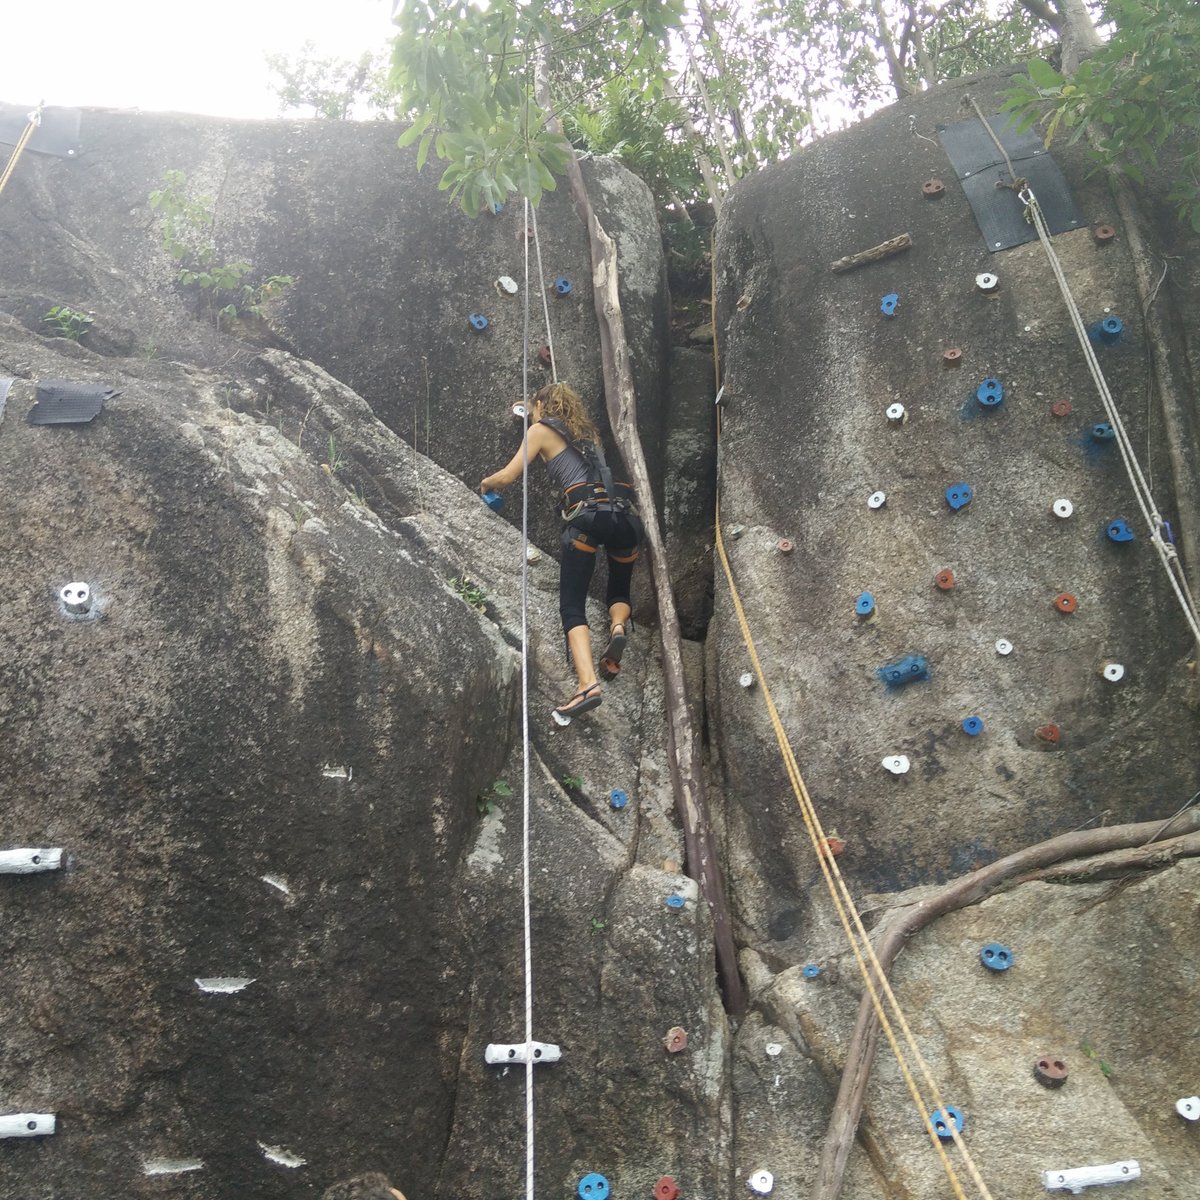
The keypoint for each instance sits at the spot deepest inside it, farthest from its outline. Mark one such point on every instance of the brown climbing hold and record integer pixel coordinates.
(666, 1189)
(1065, 602)
(951, 357)
(676, 1040)
(944, 580)
(1061, 408)
(934, 189)
(544, 355)
(525, 232)
(785, 545)
(1103, 234)
(832, 846)
(1048, 733)
(1050, 1072)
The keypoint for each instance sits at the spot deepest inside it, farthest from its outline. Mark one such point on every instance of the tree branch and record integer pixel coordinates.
(895, 930)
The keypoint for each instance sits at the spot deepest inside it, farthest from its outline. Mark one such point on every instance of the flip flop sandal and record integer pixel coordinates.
(610, 660)
(588, 699)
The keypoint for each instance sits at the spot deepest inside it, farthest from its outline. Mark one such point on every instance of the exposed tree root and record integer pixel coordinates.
(1092, 851)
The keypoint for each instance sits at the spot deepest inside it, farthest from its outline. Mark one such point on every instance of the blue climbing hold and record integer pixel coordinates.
(1103, 432)
(675, 901)
(1109, 331)
(811, 970)
(617, 798)
(494, 501)
(996, 957)
(887, 305)
(990, 392)
(973, 726)
(959, 495)
(593, 1187)
(865, 604)
(942, 1119)
(905, 670)
(478, 322)
(562, 285)
(498, 208)
(1119, 531)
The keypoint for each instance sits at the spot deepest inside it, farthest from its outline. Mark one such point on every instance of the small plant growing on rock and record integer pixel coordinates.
(471, 592)
(187, 229)
(68, 322)
(485, 802)
(573, 783)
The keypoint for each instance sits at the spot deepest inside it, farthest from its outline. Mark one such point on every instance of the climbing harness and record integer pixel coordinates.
(35, 119)
(1163, 545)
(873, 974)
(600, 492)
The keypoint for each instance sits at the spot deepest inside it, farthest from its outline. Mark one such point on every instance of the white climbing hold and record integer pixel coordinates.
(898, 764)
(559, 720)
(876, 499)
(532, 554)
(506, 1056)
(1004, 647)
(278, 883)
(1076, 1179)
(1063, 508)
(1113, 672)
(27, 862)
(76, 598)
(329, 771)
(761, 1183)
(987, 282)
(774, 1049)
(508, 284)
(1188, 1108)
(518, 411)
(22, 1125)
(746, 679)
(897, 414)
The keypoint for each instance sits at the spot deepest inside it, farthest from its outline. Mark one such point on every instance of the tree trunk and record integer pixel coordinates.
(1079, 37)
(735, 112)
(710, 179)
(687, 777)
(894, 931)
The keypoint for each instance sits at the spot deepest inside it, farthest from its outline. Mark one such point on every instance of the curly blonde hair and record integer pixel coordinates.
(561, 401)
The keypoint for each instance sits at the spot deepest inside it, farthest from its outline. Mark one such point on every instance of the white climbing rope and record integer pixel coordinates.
(537, 243)
(1167, 554)
(529, 1144)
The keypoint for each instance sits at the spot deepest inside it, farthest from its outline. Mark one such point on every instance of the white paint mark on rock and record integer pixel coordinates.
(171, 1166)
(223, 985)
(282, 1157)
(329, 771)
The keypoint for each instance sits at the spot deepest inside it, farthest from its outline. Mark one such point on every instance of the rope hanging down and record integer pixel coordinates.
(1167, 554)
(35, 119)
(856, 934)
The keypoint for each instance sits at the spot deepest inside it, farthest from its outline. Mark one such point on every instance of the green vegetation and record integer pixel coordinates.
(471, 592)
(331, 87)
(1089, 1051)
(69, 322)
(187, 228)
(485, 802)
(1137, 97)
(573, 783)
(335, 460)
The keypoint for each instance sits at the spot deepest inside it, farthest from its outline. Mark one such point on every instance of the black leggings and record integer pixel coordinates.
(619, 534)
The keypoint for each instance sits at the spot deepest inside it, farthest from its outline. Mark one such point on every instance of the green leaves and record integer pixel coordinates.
(1044, 75)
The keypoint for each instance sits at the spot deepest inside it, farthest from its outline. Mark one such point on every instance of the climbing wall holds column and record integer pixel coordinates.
(1050, 1072)
(996, 957)
(942, 1119)
(959, 495)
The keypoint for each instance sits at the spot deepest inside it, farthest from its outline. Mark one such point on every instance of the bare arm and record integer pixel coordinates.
(536, 441)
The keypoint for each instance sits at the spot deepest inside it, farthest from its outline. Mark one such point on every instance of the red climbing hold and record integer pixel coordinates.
(676, 1040)
(831, 847)
(1065, 602)
(1061, 408)
(1048, 733)
(944, 580)
(1050, 1072)
(666, 1189)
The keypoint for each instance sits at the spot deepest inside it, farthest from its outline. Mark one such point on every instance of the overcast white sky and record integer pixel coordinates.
(205, 57)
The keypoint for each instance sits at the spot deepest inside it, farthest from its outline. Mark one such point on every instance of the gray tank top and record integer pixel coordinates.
(567, 468)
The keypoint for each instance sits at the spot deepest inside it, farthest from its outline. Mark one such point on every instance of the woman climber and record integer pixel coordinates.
(595, 512)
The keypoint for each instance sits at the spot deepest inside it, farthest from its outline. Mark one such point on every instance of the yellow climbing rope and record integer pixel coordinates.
(856, 934)
(35, 119)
